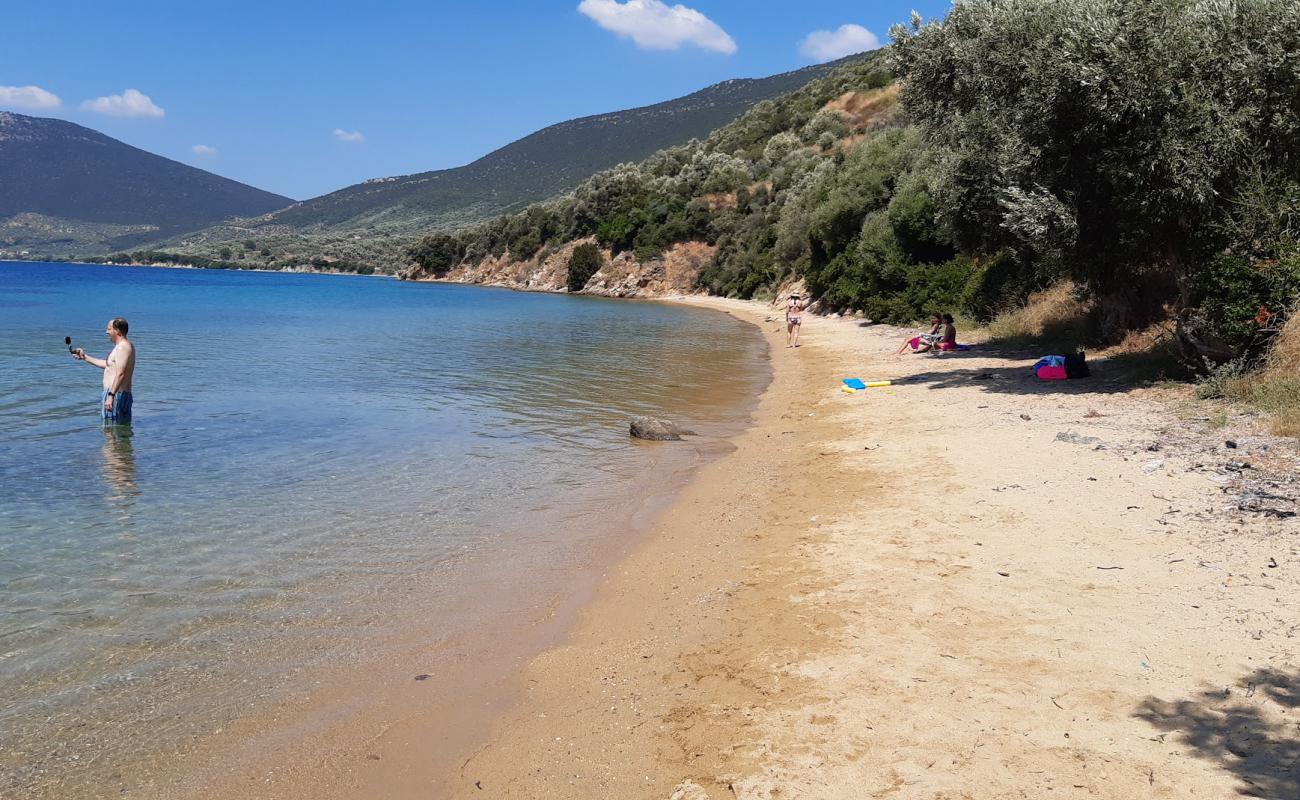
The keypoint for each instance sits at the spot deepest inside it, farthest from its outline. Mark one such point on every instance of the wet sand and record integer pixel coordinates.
(967, 585)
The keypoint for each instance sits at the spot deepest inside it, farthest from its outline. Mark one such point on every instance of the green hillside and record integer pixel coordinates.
(372, 222)
(68, 189)
(1143, 150)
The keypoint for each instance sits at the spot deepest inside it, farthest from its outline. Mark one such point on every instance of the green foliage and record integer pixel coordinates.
(1245, 299)
(874, 242)
(583, 263)
(617, 233)
(1106, 139)
(997, 284)
(437, 254)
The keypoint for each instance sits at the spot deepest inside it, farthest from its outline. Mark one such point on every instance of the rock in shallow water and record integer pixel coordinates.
(657, 430)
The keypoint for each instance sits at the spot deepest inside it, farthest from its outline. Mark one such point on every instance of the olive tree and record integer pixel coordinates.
(1105, 139)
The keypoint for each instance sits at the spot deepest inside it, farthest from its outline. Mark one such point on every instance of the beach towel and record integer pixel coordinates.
(1050, 368)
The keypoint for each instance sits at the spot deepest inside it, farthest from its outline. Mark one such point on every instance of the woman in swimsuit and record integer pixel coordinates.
(948, 341)
(925, 341)
(793, 320)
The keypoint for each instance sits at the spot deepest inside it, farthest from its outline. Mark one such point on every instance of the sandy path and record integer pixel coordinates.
(920, 592)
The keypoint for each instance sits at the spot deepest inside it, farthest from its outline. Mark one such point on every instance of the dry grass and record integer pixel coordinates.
(1275, 389)
(1060, 319)
(1055, 315)
(862, 108)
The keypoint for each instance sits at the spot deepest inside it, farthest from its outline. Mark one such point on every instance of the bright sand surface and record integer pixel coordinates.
(918, 591)
(921, 592)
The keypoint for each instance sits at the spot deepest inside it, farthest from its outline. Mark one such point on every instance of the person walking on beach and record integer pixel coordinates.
(119, 367)
(793, 320)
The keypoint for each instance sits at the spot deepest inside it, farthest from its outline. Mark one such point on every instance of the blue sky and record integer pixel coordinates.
(304, 98)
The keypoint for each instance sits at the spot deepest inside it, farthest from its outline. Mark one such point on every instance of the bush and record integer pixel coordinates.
(999, 284)
(437, 254)
(1242, 297)
(583, 263)
(1104, 140)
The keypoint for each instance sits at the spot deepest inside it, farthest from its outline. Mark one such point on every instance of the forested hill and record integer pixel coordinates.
(1150, 165)
(549, 161)
(70, 188)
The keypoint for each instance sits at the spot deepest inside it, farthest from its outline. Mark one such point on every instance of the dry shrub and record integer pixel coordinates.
(1055, 314)
(1276, 388)
(862, 108)
(1285, 355)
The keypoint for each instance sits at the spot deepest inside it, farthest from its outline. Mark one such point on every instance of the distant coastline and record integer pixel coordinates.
(184, 265)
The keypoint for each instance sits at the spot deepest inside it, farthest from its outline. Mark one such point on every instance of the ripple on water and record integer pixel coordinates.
(307, 451)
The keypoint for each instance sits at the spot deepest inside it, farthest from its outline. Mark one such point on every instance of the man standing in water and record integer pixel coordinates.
(118, 368)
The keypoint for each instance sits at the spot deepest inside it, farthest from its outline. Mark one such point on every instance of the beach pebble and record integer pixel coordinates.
(689, 790)
(1152, 466)
(658, 430)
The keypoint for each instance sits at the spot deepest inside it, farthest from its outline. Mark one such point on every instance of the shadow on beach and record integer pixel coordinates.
(1115, 374)
(1230, 727)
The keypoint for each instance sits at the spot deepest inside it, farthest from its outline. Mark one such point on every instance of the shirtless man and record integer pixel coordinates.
(118, 368)
(793, 320)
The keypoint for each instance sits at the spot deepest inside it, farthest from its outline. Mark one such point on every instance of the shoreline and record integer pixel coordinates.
(369, 729)
(192, 267)
(966, 585)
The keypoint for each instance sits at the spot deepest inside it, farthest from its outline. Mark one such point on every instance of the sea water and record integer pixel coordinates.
(301, 446)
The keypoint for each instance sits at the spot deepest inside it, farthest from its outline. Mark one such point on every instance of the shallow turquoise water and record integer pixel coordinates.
(300, 442)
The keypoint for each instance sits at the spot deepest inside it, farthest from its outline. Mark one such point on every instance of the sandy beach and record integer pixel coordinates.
(966, 585)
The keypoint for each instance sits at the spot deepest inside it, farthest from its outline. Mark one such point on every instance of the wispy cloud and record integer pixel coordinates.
(823, 46)
(204, 150)
(28, 97)
(348, 136)
(131, 103)
(656, 26)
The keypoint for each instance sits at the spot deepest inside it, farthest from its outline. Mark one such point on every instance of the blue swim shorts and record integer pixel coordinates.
(121, 413)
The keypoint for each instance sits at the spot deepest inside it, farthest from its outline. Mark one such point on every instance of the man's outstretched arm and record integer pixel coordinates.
(80, 355)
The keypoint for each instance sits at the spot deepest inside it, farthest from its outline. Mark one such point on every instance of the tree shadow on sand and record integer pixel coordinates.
(1233, 728)
(1115, 374)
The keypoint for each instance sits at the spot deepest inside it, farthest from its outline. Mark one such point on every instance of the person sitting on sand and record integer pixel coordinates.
(948, 338)
(922, 343)
(793, 320)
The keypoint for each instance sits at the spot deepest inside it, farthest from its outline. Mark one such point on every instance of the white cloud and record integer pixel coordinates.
(130, 103)
(204, 150)
(823, 46)
(28, 97)
(656, 26)
(348, 136)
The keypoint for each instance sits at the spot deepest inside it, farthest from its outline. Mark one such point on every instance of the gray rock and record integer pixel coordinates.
(689, 790)
(1074, 438)
(657, 430)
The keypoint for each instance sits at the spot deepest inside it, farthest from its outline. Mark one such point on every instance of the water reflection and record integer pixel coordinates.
(119, 471)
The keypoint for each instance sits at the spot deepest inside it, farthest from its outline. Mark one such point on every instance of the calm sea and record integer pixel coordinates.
(305, 450)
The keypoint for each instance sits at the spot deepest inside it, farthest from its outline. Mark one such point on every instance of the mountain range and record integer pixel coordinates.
(64, 187)
(68, 190)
